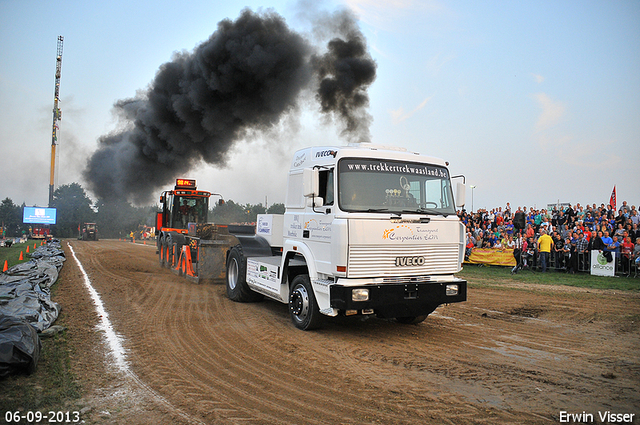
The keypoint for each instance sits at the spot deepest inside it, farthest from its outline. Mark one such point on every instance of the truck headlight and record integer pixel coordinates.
(360, 294)
(452, 290)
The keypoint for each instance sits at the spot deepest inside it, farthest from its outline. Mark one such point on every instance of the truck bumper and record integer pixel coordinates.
(398, 299)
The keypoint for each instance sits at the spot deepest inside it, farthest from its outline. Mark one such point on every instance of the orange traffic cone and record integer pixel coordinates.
(34, 245)
(21, 259)
(6, 266)
(27, 249)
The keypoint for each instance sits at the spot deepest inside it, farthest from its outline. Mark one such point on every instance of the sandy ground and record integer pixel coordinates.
(511, 354)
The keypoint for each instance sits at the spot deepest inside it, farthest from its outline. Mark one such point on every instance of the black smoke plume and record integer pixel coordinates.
(345, 73)
(246, 77)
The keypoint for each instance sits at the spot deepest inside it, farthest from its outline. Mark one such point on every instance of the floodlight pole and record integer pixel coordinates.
(57, 115)
(472, 187)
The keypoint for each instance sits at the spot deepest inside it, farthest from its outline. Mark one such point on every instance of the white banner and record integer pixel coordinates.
(600, 266)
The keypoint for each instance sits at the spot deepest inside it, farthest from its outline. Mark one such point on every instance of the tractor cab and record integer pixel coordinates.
(185, 204)
(88, 232)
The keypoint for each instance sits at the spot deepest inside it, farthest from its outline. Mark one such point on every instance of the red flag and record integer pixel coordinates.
(612, 200)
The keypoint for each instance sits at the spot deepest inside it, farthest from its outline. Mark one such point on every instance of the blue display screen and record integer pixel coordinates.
(39, 215)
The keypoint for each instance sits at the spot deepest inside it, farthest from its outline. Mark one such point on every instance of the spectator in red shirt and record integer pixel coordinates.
(627, 250)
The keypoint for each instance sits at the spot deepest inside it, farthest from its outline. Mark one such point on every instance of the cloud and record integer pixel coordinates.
(569, 150)
(382, 13)
(399, 115)
(551, 114)
(538, 78)
(436, 63)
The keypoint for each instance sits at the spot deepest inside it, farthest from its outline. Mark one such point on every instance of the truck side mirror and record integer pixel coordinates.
(310, 182)
(461, 193)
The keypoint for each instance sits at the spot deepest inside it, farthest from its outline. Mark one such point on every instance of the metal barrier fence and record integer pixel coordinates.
(581, 263)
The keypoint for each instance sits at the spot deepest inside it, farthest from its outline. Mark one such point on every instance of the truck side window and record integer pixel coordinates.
(326, 186)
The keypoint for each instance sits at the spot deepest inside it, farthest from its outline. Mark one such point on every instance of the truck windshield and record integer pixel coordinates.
(374, 185)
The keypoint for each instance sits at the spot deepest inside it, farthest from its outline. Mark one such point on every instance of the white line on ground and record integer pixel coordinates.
(115, 345)
(113, 339)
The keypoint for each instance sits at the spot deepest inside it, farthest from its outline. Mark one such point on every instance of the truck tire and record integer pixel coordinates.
(303, 307)
(237, 288)
(411, 320)
(414, 320)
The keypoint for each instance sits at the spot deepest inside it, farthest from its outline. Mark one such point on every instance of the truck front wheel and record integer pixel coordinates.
(411, 320)
(303, 306)
(237, 288)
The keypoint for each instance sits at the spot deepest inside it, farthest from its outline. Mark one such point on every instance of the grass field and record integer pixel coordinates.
(53, 386)
(12, 254)
(497, 274)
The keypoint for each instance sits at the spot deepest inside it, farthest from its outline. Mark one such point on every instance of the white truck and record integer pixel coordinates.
(367, 230)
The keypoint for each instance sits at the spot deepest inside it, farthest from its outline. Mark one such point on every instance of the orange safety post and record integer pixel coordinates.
(188, 269)
(183, 265)
(180, 260)
(6, 266)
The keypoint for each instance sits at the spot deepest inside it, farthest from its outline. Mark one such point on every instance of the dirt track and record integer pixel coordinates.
(510, 355)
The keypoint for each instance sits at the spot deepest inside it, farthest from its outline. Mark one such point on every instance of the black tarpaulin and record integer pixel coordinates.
(19, 346)
(25, 303)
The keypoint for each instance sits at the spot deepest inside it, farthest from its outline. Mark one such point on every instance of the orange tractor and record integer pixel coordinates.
(186, 243)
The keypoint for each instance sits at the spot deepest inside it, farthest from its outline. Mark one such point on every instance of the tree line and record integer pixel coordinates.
(115, 219)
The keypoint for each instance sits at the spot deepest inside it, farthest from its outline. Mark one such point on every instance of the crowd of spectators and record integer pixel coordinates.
(574, 231)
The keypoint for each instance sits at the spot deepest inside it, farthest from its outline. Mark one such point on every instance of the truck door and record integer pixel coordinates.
(318, 222)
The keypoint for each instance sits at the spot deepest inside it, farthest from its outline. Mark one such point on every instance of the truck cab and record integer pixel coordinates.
(367, 230)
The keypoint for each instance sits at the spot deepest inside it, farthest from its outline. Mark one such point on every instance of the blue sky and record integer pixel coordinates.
(535, 102)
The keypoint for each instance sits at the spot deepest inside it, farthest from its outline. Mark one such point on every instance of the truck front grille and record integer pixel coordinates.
(397, 261)
(407, 279)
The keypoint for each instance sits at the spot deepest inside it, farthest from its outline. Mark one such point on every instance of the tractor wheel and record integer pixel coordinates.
(169, 257)
(161, 252)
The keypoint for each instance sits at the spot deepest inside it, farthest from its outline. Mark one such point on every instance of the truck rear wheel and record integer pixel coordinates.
(237, 288)
(303, 307)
